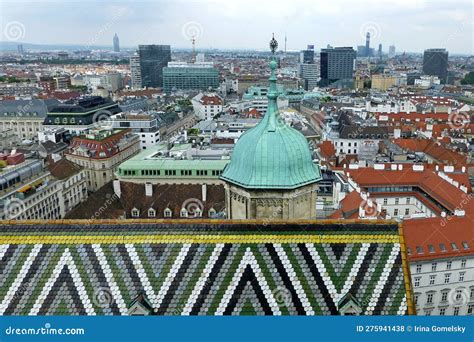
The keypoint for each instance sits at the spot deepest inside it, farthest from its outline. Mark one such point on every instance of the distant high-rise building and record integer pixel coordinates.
(435, 63)
(135, 70)
(380, 50)
(307, 69)
(183, 76)
(20, 49)
(307, 56)
(153, 58)
(391, 51)
(367, 44)
(116, 43)
(337, 64)
(309, 75)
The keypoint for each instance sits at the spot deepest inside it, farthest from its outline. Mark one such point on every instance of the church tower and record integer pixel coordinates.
(271, 174)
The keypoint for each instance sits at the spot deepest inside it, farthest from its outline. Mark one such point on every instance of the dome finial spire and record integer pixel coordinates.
(273, 44)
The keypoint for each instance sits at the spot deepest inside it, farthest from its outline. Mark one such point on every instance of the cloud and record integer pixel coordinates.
(411, 25)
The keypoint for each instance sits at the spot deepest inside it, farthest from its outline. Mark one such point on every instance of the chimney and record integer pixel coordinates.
(148, 189)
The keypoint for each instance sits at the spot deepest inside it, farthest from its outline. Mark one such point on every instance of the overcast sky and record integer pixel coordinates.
(410, 25)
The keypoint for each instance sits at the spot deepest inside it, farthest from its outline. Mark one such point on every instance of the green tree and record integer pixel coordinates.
(468, 79)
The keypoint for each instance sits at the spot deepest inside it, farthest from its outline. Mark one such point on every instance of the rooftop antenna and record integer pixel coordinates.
(285, 42)
(193, 42)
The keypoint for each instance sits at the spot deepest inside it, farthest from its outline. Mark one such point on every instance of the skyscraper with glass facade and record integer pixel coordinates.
(153, 58)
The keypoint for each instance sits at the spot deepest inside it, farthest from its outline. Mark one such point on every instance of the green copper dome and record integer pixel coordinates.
(271, 155)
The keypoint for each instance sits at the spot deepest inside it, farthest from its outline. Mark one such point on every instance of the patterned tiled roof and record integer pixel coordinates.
(199, 267)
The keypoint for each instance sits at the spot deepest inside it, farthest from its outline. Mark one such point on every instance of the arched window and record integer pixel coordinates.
(168, 212)
(211, 212)
(135, 212)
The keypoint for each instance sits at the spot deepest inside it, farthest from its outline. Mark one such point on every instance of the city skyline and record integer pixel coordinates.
(429, 24)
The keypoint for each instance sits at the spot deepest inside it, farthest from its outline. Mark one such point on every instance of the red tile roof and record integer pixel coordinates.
(446, 194)
(104, 148)
(433, 149)
(438, 129)
(413, 117)
(211, 100)
(349, 207)
(423, 235)
(327, 149)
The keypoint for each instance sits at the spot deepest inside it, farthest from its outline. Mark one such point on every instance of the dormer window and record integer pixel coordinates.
(135, 212)
(184, 212)
(168, 212)
(211, 212)
(197, 212)
(151, 212)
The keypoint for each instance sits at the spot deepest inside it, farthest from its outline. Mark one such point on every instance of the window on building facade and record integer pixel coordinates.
(395, 212)
(397, 200)
(418, 268)
(449, 264)
(385, 201)
(456, 311)
(433, 267)
(197, 212)
(442, 246)
(415, 298)
(417, 281)
(461, 276)
(463, 263)
(429, 298)
(168, 212)
(407, 211)
(432, 279)
(408, 200)
(447, 278)
(444, 295)
(184, 212)
(151, 212)
(442, 311)
(470, 309)
(135, 212)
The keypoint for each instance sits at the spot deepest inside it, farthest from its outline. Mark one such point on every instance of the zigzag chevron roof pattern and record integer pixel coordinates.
(284, 276)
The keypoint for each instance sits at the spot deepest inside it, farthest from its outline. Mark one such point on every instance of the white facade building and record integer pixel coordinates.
(427, 81)
(390, 106)
(207, 105)
(441, 267)
(144, 125)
